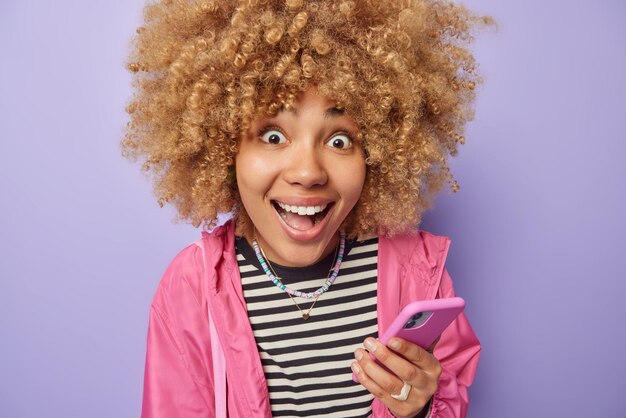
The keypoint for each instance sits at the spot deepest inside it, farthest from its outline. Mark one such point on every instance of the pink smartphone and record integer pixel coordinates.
(423, 321)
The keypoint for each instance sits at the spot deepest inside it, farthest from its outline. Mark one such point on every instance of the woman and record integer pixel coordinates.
(324, 128)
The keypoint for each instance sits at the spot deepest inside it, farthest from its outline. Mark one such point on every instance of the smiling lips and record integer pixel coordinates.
(301, 218)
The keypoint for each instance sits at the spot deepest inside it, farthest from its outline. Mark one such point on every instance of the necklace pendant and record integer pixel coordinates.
(305, 316)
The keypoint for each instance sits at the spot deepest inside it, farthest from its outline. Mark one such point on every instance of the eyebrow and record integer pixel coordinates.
(331, 112)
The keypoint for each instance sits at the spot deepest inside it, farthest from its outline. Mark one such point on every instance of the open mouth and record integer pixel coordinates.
(302, 218)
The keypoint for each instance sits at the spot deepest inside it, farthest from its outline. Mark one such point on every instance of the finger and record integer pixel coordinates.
(416, 355)
(386, 381)
(371, 385)
(414, 402)
(403, 368)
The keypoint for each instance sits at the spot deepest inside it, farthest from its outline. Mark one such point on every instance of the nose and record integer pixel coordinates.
(306, 168)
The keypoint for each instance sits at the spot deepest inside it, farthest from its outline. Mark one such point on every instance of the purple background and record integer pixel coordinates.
(536, 227)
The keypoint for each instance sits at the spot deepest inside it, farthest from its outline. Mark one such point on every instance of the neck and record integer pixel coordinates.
(292, 256)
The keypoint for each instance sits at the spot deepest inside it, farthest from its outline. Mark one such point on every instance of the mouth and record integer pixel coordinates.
(302, 218)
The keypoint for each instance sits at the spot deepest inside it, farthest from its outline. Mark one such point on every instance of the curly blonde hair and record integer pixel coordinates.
(203, 70)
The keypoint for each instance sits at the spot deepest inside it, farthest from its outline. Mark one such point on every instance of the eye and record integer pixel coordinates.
(273, 136)
(340, 141)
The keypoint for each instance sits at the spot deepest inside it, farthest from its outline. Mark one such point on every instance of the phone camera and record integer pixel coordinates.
(417, 320)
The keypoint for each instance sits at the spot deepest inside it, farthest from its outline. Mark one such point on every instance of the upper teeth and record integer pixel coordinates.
(302, 210)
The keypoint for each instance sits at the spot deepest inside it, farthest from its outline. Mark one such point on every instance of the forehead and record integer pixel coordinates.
(310, 98)
(308, 103)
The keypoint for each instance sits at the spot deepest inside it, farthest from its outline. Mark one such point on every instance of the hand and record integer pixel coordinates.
(408, 363)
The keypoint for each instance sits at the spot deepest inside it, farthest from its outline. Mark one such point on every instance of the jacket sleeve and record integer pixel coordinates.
(178, 370)
(458, 351)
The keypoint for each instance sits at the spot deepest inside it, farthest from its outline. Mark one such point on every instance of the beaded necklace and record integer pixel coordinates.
(305, 315)
(310, 295)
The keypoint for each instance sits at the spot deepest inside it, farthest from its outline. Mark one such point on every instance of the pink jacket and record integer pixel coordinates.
(178, 378)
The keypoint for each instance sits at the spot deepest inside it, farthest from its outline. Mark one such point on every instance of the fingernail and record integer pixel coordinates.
(395, 344)
(358, 354)
(370, 344)
(355, 368)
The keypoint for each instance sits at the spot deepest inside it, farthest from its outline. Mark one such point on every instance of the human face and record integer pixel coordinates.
(309, 159)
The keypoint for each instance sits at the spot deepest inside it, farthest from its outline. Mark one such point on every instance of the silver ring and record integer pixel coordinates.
(404, 393)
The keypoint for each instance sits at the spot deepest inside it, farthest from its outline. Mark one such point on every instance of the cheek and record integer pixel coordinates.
(253, 174)
(354, 180)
